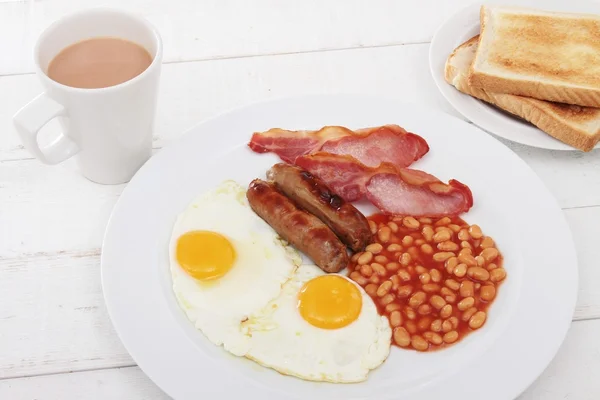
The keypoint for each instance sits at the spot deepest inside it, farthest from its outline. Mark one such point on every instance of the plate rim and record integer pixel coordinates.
(269, 103)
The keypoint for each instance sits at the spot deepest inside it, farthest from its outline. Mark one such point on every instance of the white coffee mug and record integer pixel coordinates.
(109, 129)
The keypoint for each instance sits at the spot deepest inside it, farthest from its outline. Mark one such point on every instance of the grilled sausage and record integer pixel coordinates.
(311, 194)
(303, 230)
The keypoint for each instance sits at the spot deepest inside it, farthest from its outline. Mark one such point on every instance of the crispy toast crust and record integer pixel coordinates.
(520, 70)
(561, 121)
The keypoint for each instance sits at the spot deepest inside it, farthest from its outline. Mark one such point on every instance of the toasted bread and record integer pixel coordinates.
(544, 55)
(574, 125)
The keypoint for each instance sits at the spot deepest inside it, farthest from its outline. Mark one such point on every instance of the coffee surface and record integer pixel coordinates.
(99, 62)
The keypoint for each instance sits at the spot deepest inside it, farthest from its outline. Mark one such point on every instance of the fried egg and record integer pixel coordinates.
(226, 263)
(322, 327)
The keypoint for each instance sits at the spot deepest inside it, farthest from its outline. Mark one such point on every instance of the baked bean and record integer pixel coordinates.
(465, 303)
(447, 246)
(411, 223)
(419, 242)
(417, 299)
(371, 289)
(466, 245)
(468, 314)
(424, 309)
(437, 302)
(460, 270)
(433, 338)
(374, 279)
(465, 251)
(450, 298)
(426, 248)
(436, 325)
(393, 226)
(424, 323)
(486, 243)
(487, 293)
(405, 259)
(392, 266)
(407, 240)
(365, 258)
(467, 289)
(463, 235)
(404, 275)
(394, 247)
(475, 232)
(395, 279)
(446, 311)
(490, 254)
(428, 233)
(354, 257)
(425, 278)
(395, 319)
(443, 221)
(410, 313)
(436, 276)
(455, 228)
(497, 275)
(425, 220)
(384, 288)
(393, 307)
(443, 256)
(477, 320)
(401, 337)
(366, 270)
(374, 248)
(467, 259)
(478, 273)
(431, 287)
(491, 266)
(414, 252)
(476, 243)
(381, 259)
(411, 327)
(454, 322)
(477, 285)
(442, 236)
(451, 263)
(419, 269)
(361, 280)
(387, 299)
(379, 269)
(446, 326)
(452, 284)
(397, 218)
(383, 234)
(480, 261)
(373, 227)
(419, 343)
(450, 337)
(355, 275)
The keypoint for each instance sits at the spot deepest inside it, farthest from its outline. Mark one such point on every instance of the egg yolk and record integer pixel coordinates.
(205, 255)
(329, 302)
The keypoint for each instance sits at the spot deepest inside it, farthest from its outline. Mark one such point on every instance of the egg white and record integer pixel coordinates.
(263, 264)
(281, 339)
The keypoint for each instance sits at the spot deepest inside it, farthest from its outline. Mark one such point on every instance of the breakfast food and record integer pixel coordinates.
(218, 250)
(311, 194)
(303, 230)
(574, 125)
(393, 190)
(433, 278)
(322, 327)
(370, 146)
(545, 55)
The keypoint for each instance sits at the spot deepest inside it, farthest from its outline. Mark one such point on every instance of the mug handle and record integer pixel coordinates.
(31, 118)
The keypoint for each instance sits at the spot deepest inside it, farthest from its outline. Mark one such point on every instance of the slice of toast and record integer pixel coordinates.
(574, 125)
(544, 55)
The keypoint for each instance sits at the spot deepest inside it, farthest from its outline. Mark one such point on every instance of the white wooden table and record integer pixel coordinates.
(56, 340)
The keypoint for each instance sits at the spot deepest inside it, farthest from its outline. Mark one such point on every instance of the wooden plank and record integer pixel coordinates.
(52, 317)
(213, 29)
(191, 92)
(571, 375)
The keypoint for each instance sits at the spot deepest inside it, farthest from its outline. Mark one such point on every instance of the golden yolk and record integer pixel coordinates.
(329, 302)
(205, 255)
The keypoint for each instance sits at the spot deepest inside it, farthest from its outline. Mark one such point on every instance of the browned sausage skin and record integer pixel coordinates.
(303, 230)
(311, 194)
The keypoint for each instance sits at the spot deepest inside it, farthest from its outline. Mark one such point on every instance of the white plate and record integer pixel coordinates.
(461, 27)
(526, 324)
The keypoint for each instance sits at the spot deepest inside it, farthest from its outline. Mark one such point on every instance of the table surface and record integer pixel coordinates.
(56, 340)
